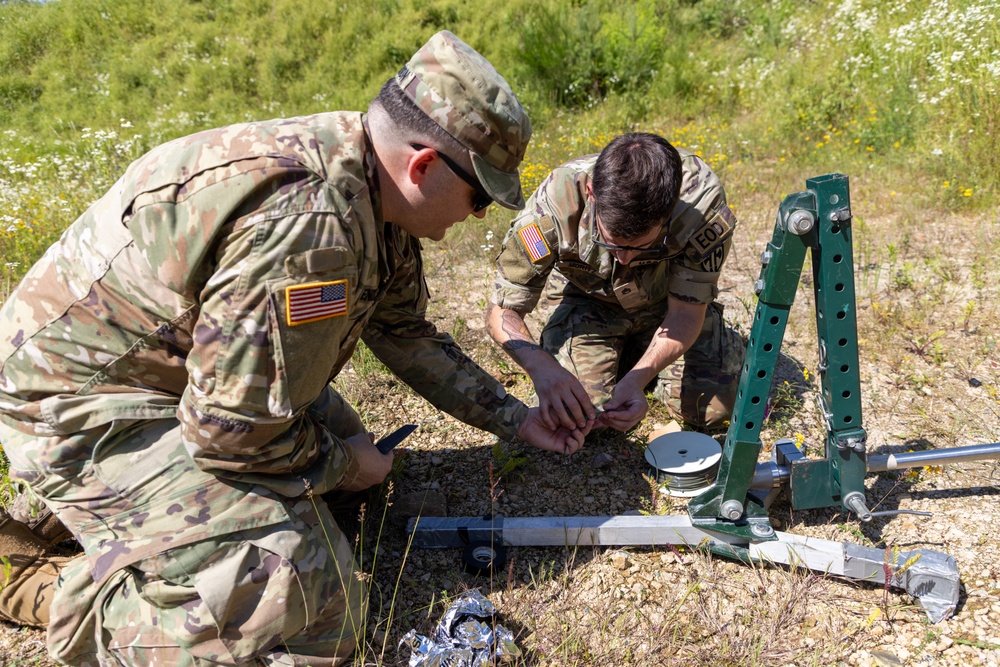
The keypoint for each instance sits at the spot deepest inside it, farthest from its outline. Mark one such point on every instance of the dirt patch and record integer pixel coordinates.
(927, 304)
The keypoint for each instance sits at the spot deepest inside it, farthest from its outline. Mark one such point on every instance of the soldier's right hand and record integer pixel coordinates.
(557, 439)
(374, 466)
(562, 400)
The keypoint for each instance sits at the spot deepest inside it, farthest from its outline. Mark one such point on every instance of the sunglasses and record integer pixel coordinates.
(482, 198)
(653, 247)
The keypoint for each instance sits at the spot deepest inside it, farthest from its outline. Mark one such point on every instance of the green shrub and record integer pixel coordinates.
(578, 55)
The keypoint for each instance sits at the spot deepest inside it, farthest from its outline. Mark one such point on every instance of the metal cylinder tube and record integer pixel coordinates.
(771, 475)
(938, 457)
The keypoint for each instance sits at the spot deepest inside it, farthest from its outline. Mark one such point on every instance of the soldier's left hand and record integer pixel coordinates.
(626, 408)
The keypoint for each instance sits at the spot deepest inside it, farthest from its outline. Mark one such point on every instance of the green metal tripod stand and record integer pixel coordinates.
(819, 220)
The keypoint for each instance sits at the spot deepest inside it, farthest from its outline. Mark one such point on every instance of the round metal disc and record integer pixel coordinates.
(686, 462)
(683, 453)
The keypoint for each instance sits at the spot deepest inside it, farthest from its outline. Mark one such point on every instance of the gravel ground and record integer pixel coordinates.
(663, 606)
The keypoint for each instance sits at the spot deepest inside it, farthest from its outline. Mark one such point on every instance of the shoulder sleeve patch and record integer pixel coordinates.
(533, 241)
(315, 301)
(718, 226)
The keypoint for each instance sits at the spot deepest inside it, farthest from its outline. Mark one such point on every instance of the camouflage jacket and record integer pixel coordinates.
(224, 281)
(554, 234)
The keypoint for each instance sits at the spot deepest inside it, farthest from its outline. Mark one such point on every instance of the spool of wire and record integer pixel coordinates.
(684, 463)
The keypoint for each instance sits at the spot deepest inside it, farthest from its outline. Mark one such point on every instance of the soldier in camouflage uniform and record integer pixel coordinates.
(165, 368)
(628, 246)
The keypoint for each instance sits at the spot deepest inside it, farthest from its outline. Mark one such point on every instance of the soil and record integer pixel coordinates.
(929, 373)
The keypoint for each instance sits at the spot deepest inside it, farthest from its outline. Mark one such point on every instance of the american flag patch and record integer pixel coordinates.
(531, 237)
(315, 301)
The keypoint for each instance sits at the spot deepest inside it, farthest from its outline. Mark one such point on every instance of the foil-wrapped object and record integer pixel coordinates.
(468, 635)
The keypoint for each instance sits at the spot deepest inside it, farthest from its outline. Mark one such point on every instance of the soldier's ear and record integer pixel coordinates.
(417, 164)
(590, 191)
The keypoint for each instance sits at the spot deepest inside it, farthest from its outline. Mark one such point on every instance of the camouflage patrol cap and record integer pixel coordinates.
(463, 93)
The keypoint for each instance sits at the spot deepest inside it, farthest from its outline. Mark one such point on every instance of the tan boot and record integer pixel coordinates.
(27, 572)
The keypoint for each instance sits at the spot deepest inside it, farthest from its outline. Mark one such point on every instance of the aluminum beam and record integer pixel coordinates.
(932, 578)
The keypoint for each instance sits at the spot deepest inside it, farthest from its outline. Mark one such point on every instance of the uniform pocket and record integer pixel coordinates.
(313, 324)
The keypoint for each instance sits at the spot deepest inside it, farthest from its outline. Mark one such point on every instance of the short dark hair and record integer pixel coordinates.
(637, 180)
(413, 122)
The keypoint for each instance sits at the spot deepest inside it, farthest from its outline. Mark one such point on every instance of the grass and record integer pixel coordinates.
(898, 95)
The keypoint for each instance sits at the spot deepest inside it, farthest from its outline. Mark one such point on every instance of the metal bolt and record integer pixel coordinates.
(732, 510)
(766, 257)
(758, 286)
(855, 502)
(761, 529)
(840, 215)
(800, 222)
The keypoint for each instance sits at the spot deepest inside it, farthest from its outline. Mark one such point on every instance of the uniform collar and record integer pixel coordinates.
(371, 171)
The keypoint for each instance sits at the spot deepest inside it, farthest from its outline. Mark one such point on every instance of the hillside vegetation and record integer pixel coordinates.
(900, 95)
(908, 86)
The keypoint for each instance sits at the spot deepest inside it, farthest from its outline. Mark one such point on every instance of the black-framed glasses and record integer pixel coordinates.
(482, 198)
(595, 237)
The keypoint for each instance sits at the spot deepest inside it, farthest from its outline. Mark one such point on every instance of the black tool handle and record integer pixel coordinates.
(386, 444)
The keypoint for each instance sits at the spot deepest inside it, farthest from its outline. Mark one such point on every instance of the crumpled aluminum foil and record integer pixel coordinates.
(466, 636)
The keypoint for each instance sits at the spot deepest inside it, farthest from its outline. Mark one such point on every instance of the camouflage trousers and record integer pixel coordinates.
(599, 343)
(271, 581)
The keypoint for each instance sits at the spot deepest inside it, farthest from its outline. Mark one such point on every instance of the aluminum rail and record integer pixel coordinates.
(929, 576)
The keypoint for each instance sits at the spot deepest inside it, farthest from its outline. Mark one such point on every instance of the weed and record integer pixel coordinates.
(507, 460)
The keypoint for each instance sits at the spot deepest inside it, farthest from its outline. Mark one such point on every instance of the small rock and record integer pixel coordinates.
(419, 503)
(602, 460)
(884, 658)
(943, 644)
(619, 560)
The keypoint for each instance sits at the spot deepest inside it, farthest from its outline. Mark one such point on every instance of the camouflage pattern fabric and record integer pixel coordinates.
(599, 343)
(496, 135)
(189, 321)
(181, 569)
(605, 314)
(554, 236)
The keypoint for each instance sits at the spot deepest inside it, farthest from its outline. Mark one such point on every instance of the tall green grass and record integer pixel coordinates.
(901, 92)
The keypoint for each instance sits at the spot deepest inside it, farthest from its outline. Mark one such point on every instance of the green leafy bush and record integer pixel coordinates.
(579, 54)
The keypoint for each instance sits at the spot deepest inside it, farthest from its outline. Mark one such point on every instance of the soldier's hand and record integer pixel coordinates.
(537, 433)
(562, 399)
(626, 408)
(374, 466)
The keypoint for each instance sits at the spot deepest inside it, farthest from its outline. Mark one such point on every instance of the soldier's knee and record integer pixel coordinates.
(705, 406)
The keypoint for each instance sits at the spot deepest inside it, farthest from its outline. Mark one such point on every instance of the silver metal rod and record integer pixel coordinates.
(771, 476)
(937, 457)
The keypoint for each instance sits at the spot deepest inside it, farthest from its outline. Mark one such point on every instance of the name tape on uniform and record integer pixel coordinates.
(315, 301)
(534, 243)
